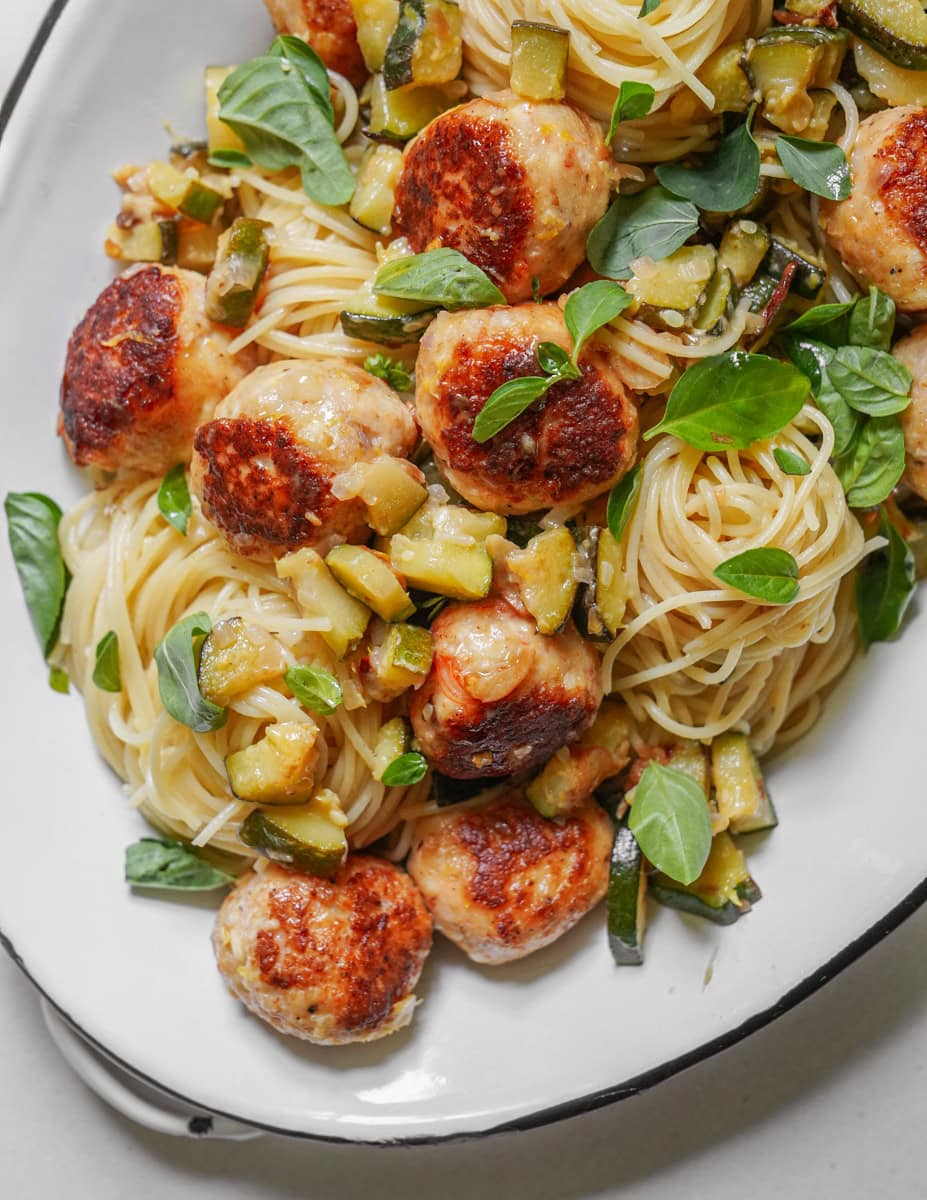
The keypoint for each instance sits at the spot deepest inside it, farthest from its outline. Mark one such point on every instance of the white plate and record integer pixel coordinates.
(551, 1036)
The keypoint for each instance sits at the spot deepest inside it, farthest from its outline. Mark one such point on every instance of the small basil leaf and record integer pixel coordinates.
(622, 500)
(300, 55)
(177, 659)
(553, 358)
(731, 400)
(871, 381)
(826, 322)
(389, 370)
(814, 359)
(506, 403)
(648, 7)
(161, 863)
(874, 463)
(634, 100)
(819, 167)
(884, 586)
(315, 689)
(174, 498)
(872, 321)
(405, 770)
(726, 182)
(58, 680)
(228, 159)
(106, 673)
(591, 307)
(651, 224)
(32, 525)
(767, 573)
(671, 822)
(790, 463)
(439, 276)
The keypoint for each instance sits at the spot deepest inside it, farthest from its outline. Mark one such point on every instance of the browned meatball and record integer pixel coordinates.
(502, 881)
(329, 28)
(569, 446)
(501, 697)
(514, 184)
(327, 960)
(264, 468)
(144, 367)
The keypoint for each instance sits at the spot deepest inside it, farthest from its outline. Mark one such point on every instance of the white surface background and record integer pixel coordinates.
(831, 1100)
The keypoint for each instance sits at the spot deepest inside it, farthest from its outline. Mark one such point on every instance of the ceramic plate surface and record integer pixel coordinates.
(563, 1030)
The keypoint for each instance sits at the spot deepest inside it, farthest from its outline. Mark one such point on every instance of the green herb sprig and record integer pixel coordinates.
(174, 503)
(316, 689)
(634, 100)
(672, 824)
(884, 586)
(442, 277)
(390, 370)
(32, 525)
(169, 865)
(177, 660)
(107, 675)
(651, 224)
(768, 573)
(405, 770)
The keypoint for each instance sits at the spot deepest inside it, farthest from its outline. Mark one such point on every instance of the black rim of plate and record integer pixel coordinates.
(558, 1112)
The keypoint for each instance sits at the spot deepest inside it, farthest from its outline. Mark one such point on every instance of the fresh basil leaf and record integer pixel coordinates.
(58, 680)
(590, 307)
(554, 359)
(726, 182)
(177, 659)
(622, 500)
(884, 586)
(871, 381)
(671, 822)
(299, 54)
(536, 289)
(731, 400)
(315, 689)
(506, 403)
(32, 525)
(283, 122)
(826, 322)
(634, 100)
(228, 159)
(441, 276)
(874, 463)
(648, 7)
(768, 573)
(814, 360)
(106, 673)
(389, 370)
(790, 463)
(405, 770)
(162, 863)
(819, 167)
(174, 498)
(872, 321)
(651, 224)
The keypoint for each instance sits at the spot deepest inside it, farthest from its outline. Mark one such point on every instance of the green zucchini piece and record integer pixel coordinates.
(824, 103)
(599, 611)
(445, 568)
(364, 574)
(197, 245)
(743, 248)
(453, 521)
(627, 899)
(319, 594)
(375, 20)
(234, 282)
(723, 74)
(811, 273)
(397, 116)
(385, 330)
(723, 892)
(392, 491)
(896, 28)
(741, 797)
(375, 193)
(219, 135)
(677, 282)
(183, 193)
(309, 836)
(426, 46)
(546, 577)
(718, 303)
(690, 758)
(279, 768)
(149, 241)
(785, 62)
(403, 660)
(393, 740)
(586, 615)
(237, 656)
(539, 60)
(571, 777)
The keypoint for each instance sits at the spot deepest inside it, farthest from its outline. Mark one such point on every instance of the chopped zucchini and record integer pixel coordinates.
(722, 893)
(148, 241)
(376, 20)
(785, 63)
(547, 577)
(611, 582)
(393, 739)
(690, 758)
(237, 656)
(183, 193)
(455, 523)
(743, 803)
(236, 278)
(197, 245)
(309, 836)
(718, 302)
(723, 74)
(219, 135)
(426, 47)
(384, 319)
(539, 60)
(368, 577)
(627, 899)
(392, 490)
(810, 275)
(896, 28)
(461, 572)
(611, 730)
(677, 282)
(279, 768)
(375, 193)
(887, 81)
(569, 779)
(403, 660)
(824, 103)
(398, 116)
(318, 594)
(743, 248)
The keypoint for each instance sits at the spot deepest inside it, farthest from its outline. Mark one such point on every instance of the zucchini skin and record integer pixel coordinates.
(627, 887)
(869, 21)
(687, 902)
(384, 330)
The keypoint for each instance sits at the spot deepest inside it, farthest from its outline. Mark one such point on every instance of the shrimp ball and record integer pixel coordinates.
(264, 467)
(502, 881)
(575, 442)
(144, 367)
(513, 184)
(329, 28)
(912, 352)
(327, 960)
(880, 232)
(501, 697)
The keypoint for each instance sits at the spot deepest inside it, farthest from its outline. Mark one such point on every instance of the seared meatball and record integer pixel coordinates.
(501, 697)
(574, 443)
(329, 28)
(144, 367)
(263, 468)
(502, 881)
(513, 184)
(327, 960)
(881, 231)
(912, 351)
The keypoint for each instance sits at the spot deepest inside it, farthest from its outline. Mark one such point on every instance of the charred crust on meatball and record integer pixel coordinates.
(903, 178)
